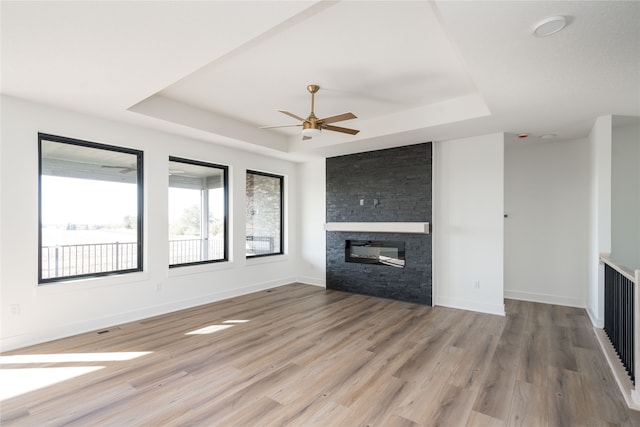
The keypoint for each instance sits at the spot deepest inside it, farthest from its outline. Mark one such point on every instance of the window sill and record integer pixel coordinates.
(53, 288)
(267, 259)
(187, 270)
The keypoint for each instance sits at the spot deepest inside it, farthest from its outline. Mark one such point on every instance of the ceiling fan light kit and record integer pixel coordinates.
(309, 131)
(313, 126)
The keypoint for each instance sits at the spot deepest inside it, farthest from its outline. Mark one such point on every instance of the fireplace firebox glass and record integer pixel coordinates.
(380, 252)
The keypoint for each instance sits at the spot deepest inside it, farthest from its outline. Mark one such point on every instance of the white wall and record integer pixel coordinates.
(312, 214)
(62, 309)
(546, 233)
(625, 192)
(468, 187)
(600, 214)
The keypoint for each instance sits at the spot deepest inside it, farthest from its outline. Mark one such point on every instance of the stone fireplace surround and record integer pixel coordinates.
(381, 195)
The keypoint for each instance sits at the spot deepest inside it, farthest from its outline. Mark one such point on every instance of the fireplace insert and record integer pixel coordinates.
(381, 252)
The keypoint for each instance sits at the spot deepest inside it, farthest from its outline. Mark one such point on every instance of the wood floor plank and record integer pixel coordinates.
(374, 410)
(493, 398)
(455, 407)
(529, 407)
(424, 354)
(534, 356)
(561, 353)
(300, 355)
(473, 367)
(603, 401)
(430, 386)
(477, 419)
(565, 398)
(502, 373)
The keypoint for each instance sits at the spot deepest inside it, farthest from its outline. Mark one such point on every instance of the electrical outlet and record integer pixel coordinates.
(476, 284)
(14, 309)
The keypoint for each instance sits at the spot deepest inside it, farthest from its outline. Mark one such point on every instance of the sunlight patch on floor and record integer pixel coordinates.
(217, 327)
(72, 357)
(17, 380)
(14, 382)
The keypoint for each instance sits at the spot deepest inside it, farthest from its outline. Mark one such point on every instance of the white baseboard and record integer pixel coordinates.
(595, 321)
(464, 304)
(544, 298)
(50, 334)
(312, 281)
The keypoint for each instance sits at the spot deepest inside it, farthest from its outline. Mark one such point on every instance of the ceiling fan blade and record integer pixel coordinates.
(281, 126)
(340, 129)
(292, 115)
(339, 118)
(123, 169)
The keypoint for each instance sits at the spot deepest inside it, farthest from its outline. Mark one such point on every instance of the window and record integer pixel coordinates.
(197, 212)
(90, 209)
(265, 231)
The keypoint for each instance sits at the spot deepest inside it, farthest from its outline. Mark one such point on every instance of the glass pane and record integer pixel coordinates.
(197, 212)
(88, 210)
(264, 214)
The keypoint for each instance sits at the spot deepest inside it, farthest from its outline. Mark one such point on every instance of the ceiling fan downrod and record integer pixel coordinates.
(312, 90)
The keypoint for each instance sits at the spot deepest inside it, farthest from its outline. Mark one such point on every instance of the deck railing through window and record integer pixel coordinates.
(185, 251)
(260, 245)
(91, 258)
(76, 260)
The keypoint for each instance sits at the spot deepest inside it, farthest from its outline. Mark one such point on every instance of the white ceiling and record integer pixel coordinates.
(411, 71)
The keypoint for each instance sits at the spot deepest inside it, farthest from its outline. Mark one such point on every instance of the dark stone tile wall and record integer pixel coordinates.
(400, 180)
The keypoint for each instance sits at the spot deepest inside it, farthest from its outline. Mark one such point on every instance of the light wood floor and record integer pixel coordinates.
(305, 356)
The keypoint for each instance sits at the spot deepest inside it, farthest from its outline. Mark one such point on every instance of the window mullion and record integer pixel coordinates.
(204, 222)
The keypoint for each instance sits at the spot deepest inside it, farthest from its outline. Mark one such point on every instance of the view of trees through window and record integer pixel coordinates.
(197, 212)
(90, 205)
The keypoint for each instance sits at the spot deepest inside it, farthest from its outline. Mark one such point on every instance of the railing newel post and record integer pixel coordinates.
(636, 328)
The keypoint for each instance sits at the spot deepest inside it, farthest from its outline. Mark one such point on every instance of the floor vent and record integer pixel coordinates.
(106, 331)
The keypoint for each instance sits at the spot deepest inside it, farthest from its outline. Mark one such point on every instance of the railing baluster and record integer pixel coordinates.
(619, 318)
(57, 261)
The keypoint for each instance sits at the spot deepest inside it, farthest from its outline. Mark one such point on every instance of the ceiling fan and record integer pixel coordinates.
(312, 126)
(127, 169)
(123, 169)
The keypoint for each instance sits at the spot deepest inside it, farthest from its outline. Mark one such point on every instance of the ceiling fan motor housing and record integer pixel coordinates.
(312, 122)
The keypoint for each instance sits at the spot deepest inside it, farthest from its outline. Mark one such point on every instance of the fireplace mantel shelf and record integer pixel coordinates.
(379, 227)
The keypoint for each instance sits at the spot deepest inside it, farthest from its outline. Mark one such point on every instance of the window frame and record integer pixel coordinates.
(281, 179)
(140, 206)
(225, 175)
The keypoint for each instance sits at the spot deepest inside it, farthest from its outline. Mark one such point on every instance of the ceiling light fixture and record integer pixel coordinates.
(550, 25)
(310, 132)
